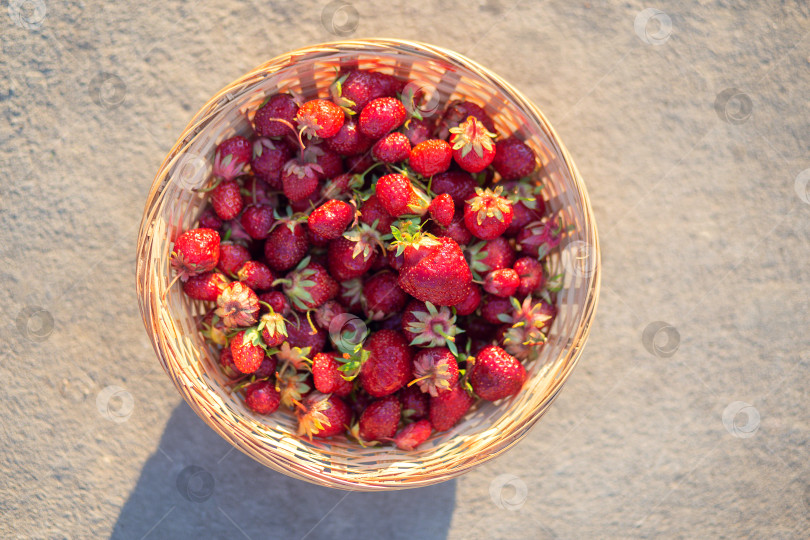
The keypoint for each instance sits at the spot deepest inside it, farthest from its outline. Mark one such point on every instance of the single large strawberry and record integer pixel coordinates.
(326, 376)
(513, 159)
(380, 116)
(257, 220)
(348, 259)
(231, 157)
(447, 408)
(330, 219)
(247, 351)
(380, 419)
(322, 415)
(237, 305)
(195, 252)
(309, 286)
(413, 435)
(384, 297)
(389, 366)
(299, 179)
(496, 374)
(226, 200)
(392, 148)
(431, 157)
(399, 197)
(231, 258)
(286, 245)
(280, 106)
(319, 118)
(262, 397)
(206, 287)
(473, 147)
(487, 215)
(435, 370)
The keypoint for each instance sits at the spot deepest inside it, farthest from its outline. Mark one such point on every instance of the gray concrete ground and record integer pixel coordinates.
(690, 126)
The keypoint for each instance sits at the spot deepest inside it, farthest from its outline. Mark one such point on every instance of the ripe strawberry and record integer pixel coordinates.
(330, 219)
(257, 220)
(195, 252)
(286, 245)
(359, 164)
(277, 301)
(261, 397)
(473, 148)
(329, 161)
(469, 304)
(392, 148)
(326, 376)
(304, 206)
(431, 157)
(231, 157)
(380, 116)
(355, 89)
(487, 215)
(206, 286)
(246, 351)
(319, 118)
(458, 111)
(349, 141)
(309, 285)
(532, 278)
(389, 84)
(269, 158)
(231, 258)
(540, 237)
(414, 403)
(256, 276)
(328, 311)
(322, 415)
(237, 305)
(351, 295)
(300, 334)
(458, 184)
(348, 259)
(373, 211)
(456, 230)
(273, 329)
(227, 200)
(441, 209)
(341, 186)
(417, 130)
(447, 408)
(226, 364)
(209, 219)
(425, 325)
(380, 419)
(388, 367)
(383, 296)
(435, 370)
(234, 231)
(280, 106)
(398, 196)
(267, 368)
(502, 282)
(299, 179)
(492, 307)
(496, 374)
(528, 204)
(411, 436)
(513, 159)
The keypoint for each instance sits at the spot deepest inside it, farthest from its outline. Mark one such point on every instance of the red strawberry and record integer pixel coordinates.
(328, 311)
(256, 276)
(330, 219)
(383, 296)
(458, 184)
(373, 211)
(195, 252)
(398, 196)
(231, 258)
(469, 304)
(237, 305)
(306, 205)
(349, 259)
(417, 130)
(528, 205)
(380, 116)
(330, 162)
(388, 367)
(431, 157)
(389, 84)
(206, 286)
(412, 435)
(322, 415)
(281, 106)
(309, 286)
(540, 237)
(447, 408)
(496, 374)
(497, 254)
(359, 164)
(530, 273)
(351, 295)
(392, 148)
(300, 334)
(277, 301)
(320, 118)
(327, 377)
(513, 159)
(473, 148)
(246, 351)
(414, 403)
(349, 141)
(428, 326)
(267, 368)
(273, 329)
(231, 157)
(435, 370)
(456, 230)
(502, 282)
(355, 89)
(380, 419)
(210, 220)
(299, 179)
(487, 215)
(285, 246)
(441, 209)
(227, 200)
(458, 111)
(227, 365)
(261, 397)
(268, 159)
(492, 307)
(257, 220)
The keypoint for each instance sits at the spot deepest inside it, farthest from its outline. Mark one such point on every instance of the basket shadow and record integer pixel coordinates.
(196, 485)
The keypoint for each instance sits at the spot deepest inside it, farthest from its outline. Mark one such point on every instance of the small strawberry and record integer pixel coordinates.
(414, 403)
(322, 415)
(351, 256)
(341, 186)
(360, 163)
(237, 305)
(261, 397)
(267, 368)
(425, 325)
(513, 159)
(309, 285)
(392, 148)
(277, 302)
(380, 116)
(441, 209)
(303, 342)
(247, 351)
(209, 219)
(458, 111)
(206, 286)
(531, 275)
(435, 370)
(411, 436)
(328, 311)
(431, 157)
(502, 282)
(351, 295)
(269, 158)
(487, 215)
(355, 89)
(373, 212)
(319, 118)
(540, 237)
(257, 220)
(273, 328)
(231, 258)
(286, 245)
(304, 206)
(349, 141)
(447, 408)
(299, 179)
(330, 219)
(528, 204)
(388, 367)
(384, 298)
(457, 231)
(327, 377)
(231, 157)
(495, 308)
(330, 162)
(458, 184)
(227, 365)
(380, 419)
(473, 148)
(496, 374)
(280, 106)
(399, 197)
(469, 304)
(195, 252)
(226, 200)
(417, 130)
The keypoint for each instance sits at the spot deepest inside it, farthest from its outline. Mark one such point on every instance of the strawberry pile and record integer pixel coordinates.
(373, 271)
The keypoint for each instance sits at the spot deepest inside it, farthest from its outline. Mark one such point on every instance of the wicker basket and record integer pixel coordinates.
(173, 206)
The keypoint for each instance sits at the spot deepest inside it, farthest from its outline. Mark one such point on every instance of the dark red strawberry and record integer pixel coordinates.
(392, 148)
(380, 419)
(530, 273)
(441, 209)
(206, 286)
(497, 254)
(300, 334)
(256, 191)
(411, 436)
(326, 376)
(502, 282)
(414, 403)
(348, 259)
(458, 111)
(355, 89)
(341, 186)
(195, 252)
(261, 397)
(277, 301)
(471, 303)
(327, 312)
(492, 307)
(231, 157)
(237, 305)
(231, 258)
(383, 296)
(447, 408)
(307, 205)
(269, 158)
(351, 295)
(226, 200)
(398, 196)
(417, 130)
(359, 164)
(246, 351)
(330, 219)
(256, 276)
(299, 179)
(528, 204)
(431, 157)
(458, 184)
(380, 116)
(309, 286)
(257, 220)
(281, 106)
(435, 370)
(496, 374)
(286, 245)
(389, 84)
(487, 215)
(273, 329)
(473, 147)
(322, 415)
(320, 118)
(330, 162)
(210, 220)
(513, 159)
(388, 367)
(456, 230)
(349, 141)
(227, 365)
(540, 237)
(267, 368)
(373, 211)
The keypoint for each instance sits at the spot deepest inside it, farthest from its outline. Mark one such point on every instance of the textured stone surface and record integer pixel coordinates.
(701, 225)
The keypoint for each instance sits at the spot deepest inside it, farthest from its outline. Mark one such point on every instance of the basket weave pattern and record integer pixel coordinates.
(173, 207)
